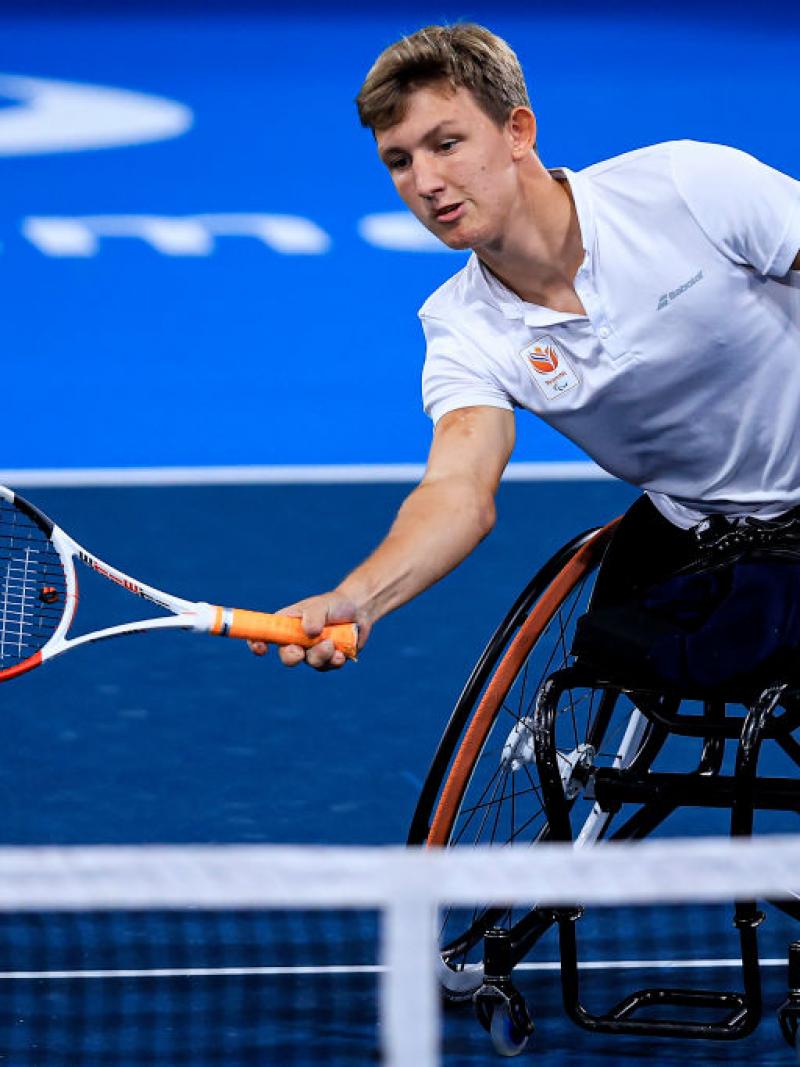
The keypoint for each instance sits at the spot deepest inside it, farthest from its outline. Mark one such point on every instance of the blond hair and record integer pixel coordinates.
(464, 56)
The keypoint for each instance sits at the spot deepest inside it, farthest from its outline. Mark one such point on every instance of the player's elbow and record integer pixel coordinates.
(475, 502)
(463, 504)
(473, 511)
(485, 516)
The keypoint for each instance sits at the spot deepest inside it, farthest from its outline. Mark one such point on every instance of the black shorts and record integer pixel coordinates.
(674, 609)
(645, 548)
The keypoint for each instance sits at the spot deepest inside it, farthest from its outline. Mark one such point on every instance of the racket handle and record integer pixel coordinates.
(279, 629)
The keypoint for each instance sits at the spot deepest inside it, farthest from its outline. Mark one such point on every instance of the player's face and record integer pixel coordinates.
(452, 166)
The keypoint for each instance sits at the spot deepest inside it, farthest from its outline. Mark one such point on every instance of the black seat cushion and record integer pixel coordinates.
(721, 627)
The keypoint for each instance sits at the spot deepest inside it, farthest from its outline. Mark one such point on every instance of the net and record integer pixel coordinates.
(271, 955)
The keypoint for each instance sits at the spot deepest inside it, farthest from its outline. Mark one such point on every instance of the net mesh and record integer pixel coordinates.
(260, 955)
(188, 987)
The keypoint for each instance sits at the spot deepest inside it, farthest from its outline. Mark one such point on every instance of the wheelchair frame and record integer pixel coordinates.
(772, 712)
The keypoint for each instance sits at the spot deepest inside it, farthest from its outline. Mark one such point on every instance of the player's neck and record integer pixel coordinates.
(540, 255)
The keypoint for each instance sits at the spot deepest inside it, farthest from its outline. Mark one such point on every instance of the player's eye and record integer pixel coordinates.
(448, 145)
(397, 163)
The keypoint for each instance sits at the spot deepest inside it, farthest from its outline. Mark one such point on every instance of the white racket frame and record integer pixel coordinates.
(184, 614)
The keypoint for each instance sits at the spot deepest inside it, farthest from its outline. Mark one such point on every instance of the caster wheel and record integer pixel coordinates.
(789, 1019)
(507, 1038)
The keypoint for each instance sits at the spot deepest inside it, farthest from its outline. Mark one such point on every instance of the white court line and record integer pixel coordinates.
(369, 968)
(335, 474)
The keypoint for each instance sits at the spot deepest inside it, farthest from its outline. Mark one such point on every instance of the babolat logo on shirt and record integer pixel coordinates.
(667, 298)
(549, 367)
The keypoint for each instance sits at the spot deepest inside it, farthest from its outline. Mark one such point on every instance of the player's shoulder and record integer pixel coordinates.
(464, 290)
(638, 159)
(674, 159)
(712, 170)
(661, 158)
(679, 174)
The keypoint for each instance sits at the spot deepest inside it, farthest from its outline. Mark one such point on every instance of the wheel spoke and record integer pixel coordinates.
(480, 806)
(533, 790)
(499, 779)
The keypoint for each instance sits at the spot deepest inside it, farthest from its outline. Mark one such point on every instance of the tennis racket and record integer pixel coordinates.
(39, 598)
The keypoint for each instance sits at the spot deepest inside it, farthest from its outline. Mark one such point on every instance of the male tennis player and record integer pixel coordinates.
(648, 307)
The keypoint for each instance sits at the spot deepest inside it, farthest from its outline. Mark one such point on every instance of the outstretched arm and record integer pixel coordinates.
(438, 525)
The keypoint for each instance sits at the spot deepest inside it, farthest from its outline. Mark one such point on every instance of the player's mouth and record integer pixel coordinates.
(449, 213)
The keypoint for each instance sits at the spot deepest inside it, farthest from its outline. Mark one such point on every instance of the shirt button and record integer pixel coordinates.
(604, 332)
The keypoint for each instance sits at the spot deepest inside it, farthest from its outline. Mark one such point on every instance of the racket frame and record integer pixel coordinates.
(184, 614)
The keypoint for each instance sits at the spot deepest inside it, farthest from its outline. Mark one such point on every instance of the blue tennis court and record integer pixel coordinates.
(203, 292)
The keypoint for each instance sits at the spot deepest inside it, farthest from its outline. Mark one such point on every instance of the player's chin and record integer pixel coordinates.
(464, 233)
(456, 239)
(459, 244)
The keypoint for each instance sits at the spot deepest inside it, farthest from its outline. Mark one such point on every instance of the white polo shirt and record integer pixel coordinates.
(683, 377)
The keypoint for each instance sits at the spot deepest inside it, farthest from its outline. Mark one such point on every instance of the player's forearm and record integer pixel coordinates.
(439, 524)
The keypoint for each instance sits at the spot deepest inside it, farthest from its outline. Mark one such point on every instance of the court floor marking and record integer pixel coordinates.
(320, 474)
(368, 968)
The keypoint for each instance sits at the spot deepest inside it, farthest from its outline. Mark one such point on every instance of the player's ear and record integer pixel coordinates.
(521, 129)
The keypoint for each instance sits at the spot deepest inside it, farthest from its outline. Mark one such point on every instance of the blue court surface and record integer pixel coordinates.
(204, 266)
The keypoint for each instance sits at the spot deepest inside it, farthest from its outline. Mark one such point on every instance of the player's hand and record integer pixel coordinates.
(317, 612)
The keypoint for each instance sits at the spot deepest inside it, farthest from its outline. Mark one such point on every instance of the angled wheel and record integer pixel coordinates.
(483, 787)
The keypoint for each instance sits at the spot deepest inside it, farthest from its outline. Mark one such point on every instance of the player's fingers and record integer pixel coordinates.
(315, 618)
(315, 613)
(259, 648)
(324, 656)
(364, 630)
(329, 612)
(291, 655)
(312, 614)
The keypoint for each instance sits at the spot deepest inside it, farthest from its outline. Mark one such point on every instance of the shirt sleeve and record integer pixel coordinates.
(456, 373)
(748, 210)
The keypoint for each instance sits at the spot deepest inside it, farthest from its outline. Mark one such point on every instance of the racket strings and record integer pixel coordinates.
(32, 586)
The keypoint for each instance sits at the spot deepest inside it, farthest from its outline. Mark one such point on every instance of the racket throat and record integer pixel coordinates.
(212, 619)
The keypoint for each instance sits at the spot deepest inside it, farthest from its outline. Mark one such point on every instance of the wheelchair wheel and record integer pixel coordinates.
(483, 787)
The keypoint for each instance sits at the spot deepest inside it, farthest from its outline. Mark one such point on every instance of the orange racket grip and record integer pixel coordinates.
(281, 630)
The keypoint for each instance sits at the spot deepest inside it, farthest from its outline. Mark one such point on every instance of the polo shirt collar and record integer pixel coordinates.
(513, 306)
(581, 194)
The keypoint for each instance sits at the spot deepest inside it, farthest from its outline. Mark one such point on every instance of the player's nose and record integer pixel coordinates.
(427, 179)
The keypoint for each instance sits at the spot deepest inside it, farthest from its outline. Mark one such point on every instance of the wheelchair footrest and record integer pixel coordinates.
(740, 1020)
(739, 1013)
(685, 998)
(692, 998)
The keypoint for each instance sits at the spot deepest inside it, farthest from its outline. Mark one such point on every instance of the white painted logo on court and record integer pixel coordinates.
(57, 116)
(550, 367)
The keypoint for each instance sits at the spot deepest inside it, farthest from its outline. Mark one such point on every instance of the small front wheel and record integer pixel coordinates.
(508, 1037)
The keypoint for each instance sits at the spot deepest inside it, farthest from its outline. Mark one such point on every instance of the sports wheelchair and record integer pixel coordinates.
(542, 747)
